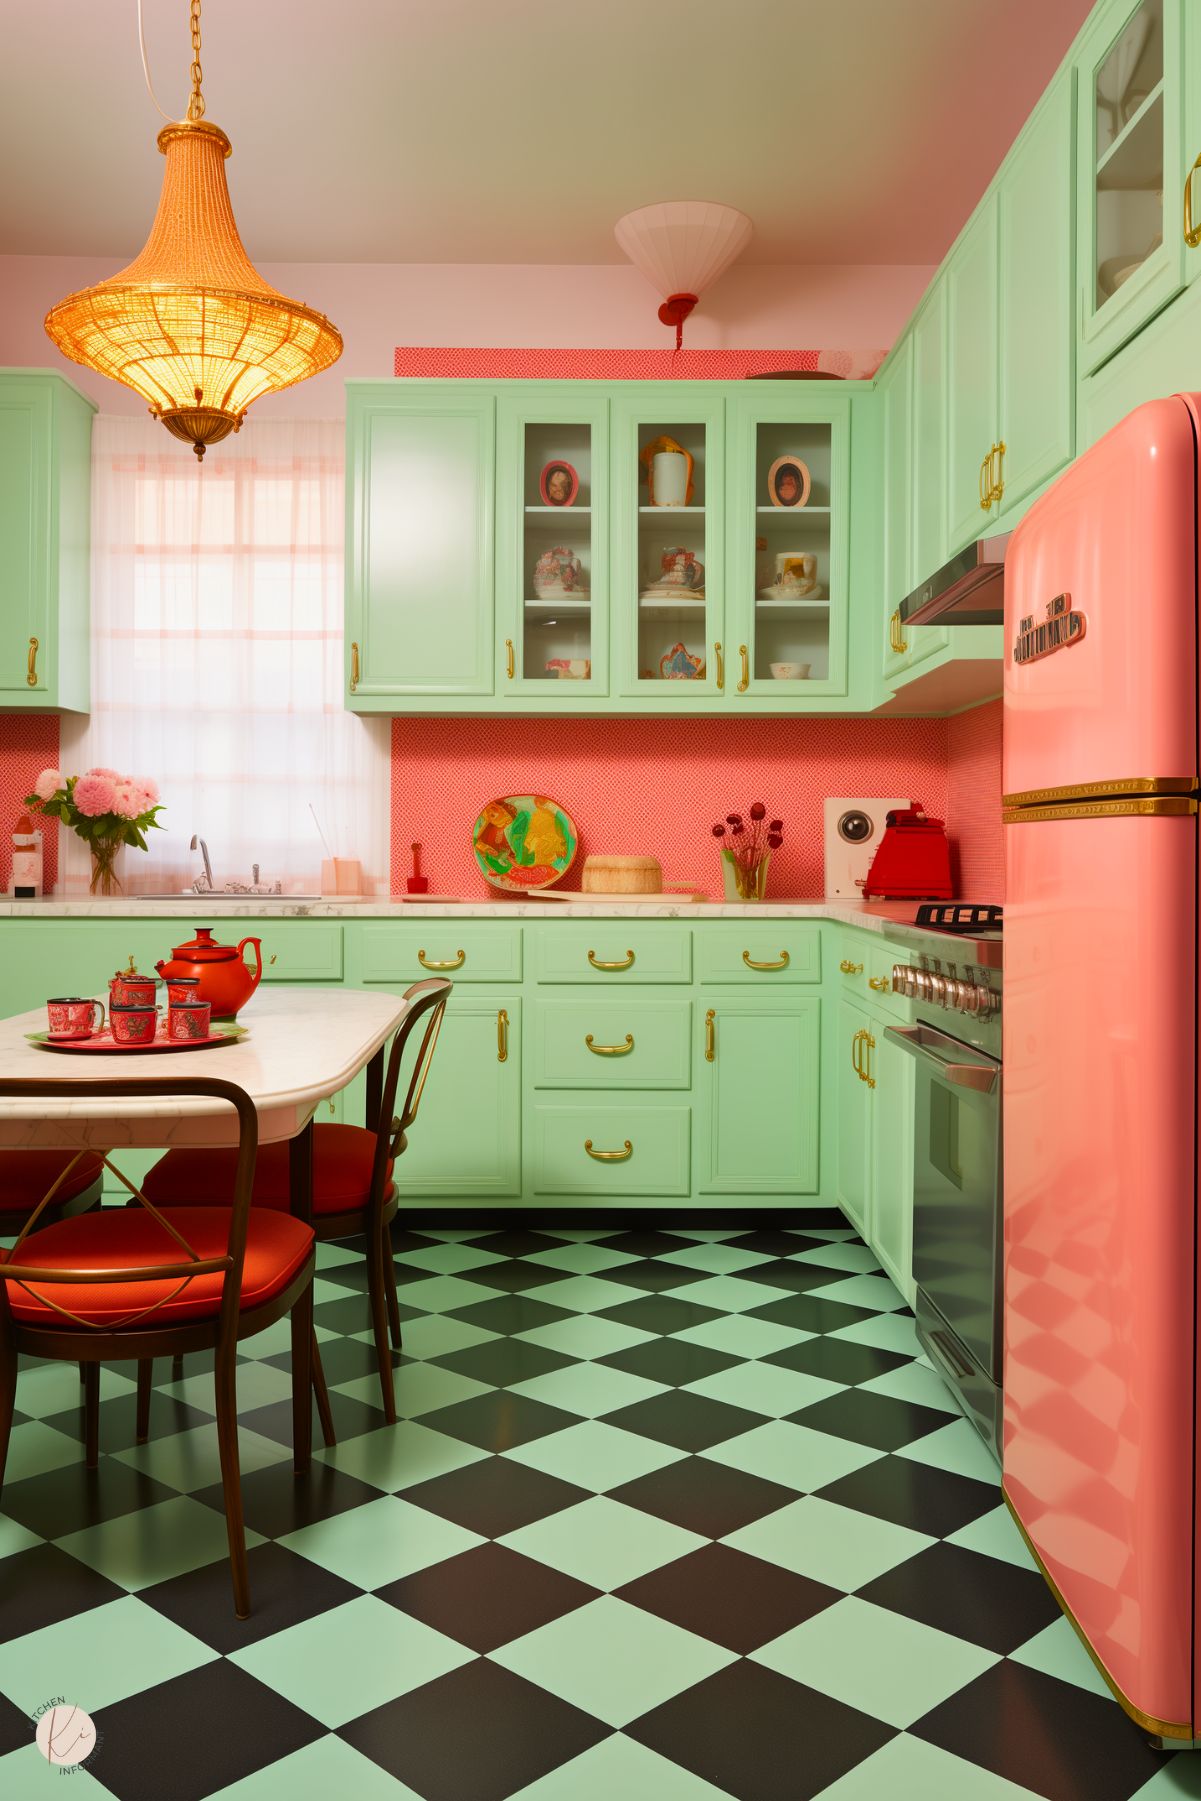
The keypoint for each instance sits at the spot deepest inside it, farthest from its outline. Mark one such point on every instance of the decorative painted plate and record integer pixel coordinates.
(524, 841)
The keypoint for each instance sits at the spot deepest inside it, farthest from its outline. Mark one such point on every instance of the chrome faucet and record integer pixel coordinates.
(202, 847)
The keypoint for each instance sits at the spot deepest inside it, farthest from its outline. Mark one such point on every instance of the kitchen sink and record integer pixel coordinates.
(219, 897)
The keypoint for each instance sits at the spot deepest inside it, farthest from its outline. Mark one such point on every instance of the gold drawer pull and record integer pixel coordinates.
(751, 963)
(856, 1041)
(986, 496)
(710, 1036)
(1192, 233)
(997, 481)
(744, 680)
(721, 667)
(609, 1156)
(502, 1036)
(32, 675)
(510, 659)
(869, 1045)
(881, 984)
(610, 1050)
(599, 963)
(455, 962)
(850, 969)
(897, 641)
(354, 668)
(271, 958)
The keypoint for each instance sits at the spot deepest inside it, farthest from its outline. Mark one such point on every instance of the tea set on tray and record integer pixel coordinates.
(205, 983)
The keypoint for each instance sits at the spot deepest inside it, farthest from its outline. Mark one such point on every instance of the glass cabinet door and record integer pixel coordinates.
(554, 556)
(667, 572)
(787, 504)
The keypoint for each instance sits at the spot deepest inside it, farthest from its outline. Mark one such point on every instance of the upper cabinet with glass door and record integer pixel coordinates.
(1129, 167)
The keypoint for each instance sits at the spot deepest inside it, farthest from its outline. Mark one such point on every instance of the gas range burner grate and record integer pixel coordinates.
(959, 916)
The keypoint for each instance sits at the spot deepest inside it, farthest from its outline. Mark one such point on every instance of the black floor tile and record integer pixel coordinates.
(724, 1595)
(285, 1588)
(477, 1734)
(808, 1314)
(503, 1362)
(798, 1277)
(488, 1596)
(342, 1359)
(43, 1585)
(515, 1241)
(871, 1419)
(837, 1359)
(914, 1494)
(660, 1313)
(774, 1241)
(671, 1360)
(1058, 1740)
(118, 1425)
(687, 1421)
(352, 1314)
(66, 1500)
(706, 1497)
(405, 1239)
(498, 1421)
(510, 1313)
(196, 1734)
(495, 1497)
(16, 1728)
(353, 1277)
(351, 1419)
(644, 1242)
(655, 1275)
(758, 1736)
(980, 1598)
(514, 1276)
(275, 1503)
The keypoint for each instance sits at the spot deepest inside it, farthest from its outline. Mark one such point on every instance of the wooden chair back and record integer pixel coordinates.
(427, 1003)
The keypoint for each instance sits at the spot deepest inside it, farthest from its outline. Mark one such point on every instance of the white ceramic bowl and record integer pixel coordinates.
(790, 672)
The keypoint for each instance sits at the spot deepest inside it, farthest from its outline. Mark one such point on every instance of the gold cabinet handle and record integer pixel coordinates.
(721, 667)
(32, 673)
(455, 962)
(1192, 233)
(744, 681)
(856, 1041)
(510, 659)
(354, 668)
(869, 1045)
(881, 984)
(502, 1036)
(710, 1036)
(898, 643)
(986, 494)
(850, 969)
(751, 963)
(333, 1108)
(599, 963)
(997, 482)
(610, 1050)
(609, 1156)
(271, 958)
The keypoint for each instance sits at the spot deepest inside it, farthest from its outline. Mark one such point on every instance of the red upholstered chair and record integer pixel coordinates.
(353, 1189)
(132, 1283)
(71, 1180)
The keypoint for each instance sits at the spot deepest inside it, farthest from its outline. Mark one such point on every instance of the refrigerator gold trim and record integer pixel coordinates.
(1162, 1728)
(1167, 806)
(1116, 787)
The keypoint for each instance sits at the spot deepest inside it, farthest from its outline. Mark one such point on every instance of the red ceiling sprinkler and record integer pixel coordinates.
(682, 246)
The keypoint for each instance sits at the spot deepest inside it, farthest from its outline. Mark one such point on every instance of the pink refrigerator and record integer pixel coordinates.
(1101, 1466)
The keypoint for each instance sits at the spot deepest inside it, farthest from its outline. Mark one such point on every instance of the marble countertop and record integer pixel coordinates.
(872, 916)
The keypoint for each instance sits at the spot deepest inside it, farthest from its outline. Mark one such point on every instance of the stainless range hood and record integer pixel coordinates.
(967, 590)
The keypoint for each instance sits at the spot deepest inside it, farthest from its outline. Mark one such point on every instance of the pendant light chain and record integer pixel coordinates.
(196, 99)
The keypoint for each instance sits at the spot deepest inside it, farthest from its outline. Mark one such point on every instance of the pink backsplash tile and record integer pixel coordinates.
(28, 744)
(974, 800)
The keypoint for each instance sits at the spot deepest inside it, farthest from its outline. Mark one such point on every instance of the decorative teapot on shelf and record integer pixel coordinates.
(225, 977)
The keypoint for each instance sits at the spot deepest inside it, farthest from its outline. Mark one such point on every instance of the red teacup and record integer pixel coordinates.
(190, 1019)
(126, 990)
(182, 989)
(133, 1025)
(72, 1017)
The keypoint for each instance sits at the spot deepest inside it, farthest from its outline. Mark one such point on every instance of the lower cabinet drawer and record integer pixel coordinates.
(762, 951)
(295, 950)
(606, 1147)
(612, 1041)
(614, 951)
(464, 950)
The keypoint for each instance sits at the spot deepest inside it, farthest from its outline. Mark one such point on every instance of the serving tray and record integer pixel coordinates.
(104, 1041)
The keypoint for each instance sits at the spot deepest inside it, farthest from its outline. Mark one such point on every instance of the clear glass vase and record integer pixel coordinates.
(743, 883)
(104, 877)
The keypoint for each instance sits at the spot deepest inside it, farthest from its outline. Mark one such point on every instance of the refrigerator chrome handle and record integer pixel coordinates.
(981, 1077)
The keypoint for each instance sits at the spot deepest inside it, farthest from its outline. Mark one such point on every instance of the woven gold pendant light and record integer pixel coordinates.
(191, 325)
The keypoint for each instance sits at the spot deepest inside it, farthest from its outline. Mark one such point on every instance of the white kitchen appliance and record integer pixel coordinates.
(853, 832)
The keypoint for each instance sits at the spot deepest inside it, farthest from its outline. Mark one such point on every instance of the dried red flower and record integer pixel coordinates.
(719, 831)
(734, 819)
(774, 840)
(758, 811)
(775, 825)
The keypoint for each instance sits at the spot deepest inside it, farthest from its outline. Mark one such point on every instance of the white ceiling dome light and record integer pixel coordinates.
(682, 246)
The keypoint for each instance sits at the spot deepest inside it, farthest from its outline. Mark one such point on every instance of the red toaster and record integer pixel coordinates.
(913, 861)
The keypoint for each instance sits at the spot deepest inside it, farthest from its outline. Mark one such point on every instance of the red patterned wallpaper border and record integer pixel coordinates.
(451, 364)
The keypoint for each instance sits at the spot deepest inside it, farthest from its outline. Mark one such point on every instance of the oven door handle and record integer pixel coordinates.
(981, 1077)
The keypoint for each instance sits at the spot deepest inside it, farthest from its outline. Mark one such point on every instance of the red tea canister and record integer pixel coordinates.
(130, 989)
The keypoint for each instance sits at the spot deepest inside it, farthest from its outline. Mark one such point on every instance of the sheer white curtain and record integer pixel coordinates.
(217, 656)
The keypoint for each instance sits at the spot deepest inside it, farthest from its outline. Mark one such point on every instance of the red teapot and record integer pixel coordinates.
(225, 978)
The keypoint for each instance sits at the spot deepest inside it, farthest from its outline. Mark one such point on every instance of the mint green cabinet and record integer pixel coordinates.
(466, 1140)
(929, 455)
(972, 316)
(896, 391)
(891, 1104)
(759, 1095)
(45, 512)
(419, 543)
(854, 1117)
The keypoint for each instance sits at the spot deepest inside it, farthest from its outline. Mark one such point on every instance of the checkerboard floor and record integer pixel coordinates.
(670, 1515)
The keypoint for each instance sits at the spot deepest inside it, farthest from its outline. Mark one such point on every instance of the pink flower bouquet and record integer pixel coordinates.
(104, 808)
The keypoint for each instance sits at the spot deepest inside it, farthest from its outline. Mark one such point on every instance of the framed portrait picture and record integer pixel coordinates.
(559, 484)
(788, 482)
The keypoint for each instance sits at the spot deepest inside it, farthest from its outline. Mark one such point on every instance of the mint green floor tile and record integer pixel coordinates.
(617, 1768)
(438, 1294)
(46, 1388)
(259, 1384)
(419, 1388)
(715, 1259)
(908, 1769)
(995, 1535)
(351, 1659)
(596, 1456)
(613, 1660)
(98, 1657)
(581, 1259)
(572, 1234)
(436, 1335)
(589, 1389)
(833, 1234)
(796, 1456)
(885, 1333)
(742, 1336)
(189, 1461)
(603, 1542)
(914, 1382)
(330, 1291)
(730, 1294)
(380, 1541)
(1178, 1780)
(26, 1776)
(588, 1294)
(957, 1447)
(765, 1388)
(35, 1448)
(153, 1544)
(328, 1767)
(451, 1234)
(877, 1292)
(585, 1336)
(275, 1341)
(892, 1668)
(404, 1454)
(14, 1538)
(703, 1234)
(831, 1544)
(329, 1256)
(450, 1259)
(854, 1258)
(1057, 1651)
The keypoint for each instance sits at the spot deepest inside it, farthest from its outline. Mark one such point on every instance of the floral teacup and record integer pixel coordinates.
(133, 1025)
(189, 1019)
(72, 1017)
